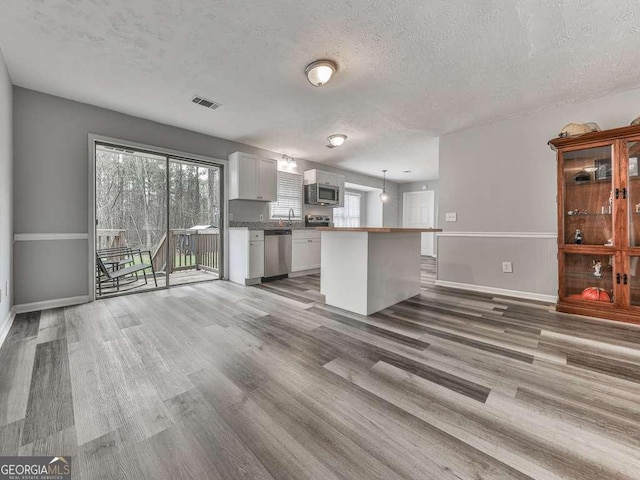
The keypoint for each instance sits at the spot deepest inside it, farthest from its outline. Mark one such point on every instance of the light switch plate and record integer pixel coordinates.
(507, 267)
(451, 217)
(230, 216)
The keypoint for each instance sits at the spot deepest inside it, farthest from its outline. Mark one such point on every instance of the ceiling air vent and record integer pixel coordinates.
(205, 103)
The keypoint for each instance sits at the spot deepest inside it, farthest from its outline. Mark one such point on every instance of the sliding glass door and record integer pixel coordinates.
(194, 221)
(158, 220)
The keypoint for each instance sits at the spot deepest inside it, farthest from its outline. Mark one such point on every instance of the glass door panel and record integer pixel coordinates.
(131, 219)
(588, 277)
(588, 196)
(633, 152)
(194, 222)
(633, 279)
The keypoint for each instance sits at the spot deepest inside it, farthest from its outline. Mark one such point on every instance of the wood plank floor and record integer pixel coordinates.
(219, 381)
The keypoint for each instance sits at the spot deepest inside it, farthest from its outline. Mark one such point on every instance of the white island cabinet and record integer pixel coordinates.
(365, 270)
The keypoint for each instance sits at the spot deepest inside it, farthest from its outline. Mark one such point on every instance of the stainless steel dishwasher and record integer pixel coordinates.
(277, 253)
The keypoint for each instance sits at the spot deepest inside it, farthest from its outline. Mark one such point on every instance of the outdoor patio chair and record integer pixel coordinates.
(120, 271)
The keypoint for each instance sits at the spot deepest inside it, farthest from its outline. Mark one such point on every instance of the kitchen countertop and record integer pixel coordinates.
(274, 228)
(379, 229)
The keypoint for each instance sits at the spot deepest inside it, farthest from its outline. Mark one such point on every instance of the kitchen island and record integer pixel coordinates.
(365, 270)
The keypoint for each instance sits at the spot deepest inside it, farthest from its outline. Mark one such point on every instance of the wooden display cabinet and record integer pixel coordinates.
(599, 224)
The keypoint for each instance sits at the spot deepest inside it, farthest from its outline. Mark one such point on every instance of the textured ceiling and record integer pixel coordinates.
(409, 70)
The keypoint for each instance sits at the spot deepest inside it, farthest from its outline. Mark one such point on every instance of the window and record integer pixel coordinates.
(289, 196)
(349, 215)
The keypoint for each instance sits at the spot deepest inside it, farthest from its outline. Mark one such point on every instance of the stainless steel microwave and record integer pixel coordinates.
(321, 194)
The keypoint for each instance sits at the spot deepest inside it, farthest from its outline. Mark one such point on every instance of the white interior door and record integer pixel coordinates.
(419, 212)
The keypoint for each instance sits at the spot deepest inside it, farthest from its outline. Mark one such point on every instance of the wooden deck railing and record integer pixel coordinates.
(189, 249)
(110, 238)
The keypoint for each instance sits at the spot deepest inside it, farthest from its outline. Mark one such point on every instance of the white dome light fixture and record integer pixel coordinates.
(384, 196)
(320, 72)
(336, 140)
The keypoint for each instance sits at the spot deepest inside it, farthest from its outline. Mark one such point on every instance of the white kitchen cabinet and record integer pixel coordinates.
(246, 256)
(252, 177)
(325, 178)
(255, 268)
(299, 254)
(314, 253)
(268, 179)
(305, 250)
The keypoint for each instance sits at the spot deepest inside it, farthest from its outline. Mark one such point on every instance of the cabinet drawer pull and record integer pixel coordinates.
(618, 278)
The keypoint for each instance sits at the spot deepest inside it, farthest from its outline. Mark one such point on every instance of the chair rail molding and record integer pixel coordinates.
(499, 234)
(35, 237)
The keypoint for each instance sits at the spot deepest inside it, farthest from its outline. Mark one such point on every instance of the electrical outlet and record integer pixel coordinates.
(261, 218)
(507, 267)
(451, 217)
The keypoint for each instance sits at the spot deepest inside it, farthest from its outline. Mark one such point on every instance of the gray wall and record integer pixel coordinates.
(417, 187)
(501, 177)
(51, 183)
(6, 185)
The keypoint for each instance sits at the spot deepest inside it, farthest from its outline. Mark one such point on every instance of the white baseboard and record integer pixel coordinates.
(302, 273)
(6, 325)
(540, 297)
(47, 304)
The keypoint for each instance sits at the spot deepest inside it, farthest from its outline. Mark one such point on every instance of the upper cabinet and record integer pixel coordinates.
(324, 178)
(252, 177)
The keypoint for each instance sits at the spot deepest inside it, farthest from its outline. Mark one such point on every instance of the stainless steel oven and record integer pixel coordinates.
(321, 194)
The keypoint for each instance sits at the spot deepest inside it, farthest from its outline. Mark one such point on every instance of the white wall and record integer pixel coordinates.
(501, 177)
(6, 185)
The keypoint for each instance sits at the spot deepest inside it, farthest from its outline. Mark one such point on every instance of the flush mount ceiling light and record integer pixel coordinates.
(384, 196)
(320, 72)
(336, 140)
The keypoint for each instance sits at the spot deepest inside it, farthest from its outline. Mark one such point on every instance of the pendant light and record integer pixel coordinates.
(384, 196)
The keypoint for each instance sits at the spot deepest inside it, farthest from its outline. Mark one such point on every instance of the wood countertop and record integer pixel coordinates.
(379, 230)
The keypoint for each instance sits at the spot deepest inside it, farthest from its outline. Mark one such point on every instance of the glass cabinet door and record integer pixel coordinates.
(589, 277)
(588, 196)
(633, 279)
(633, 195)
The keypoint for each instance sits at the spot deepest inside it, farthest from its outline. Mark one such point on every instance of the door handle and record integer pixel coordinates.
(618, 278)
(624, 193)
(617, 193)
(624, 279)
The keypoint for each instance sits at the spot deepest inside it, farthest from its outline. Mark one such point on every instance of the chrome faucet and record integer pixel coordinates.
(291, 212)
